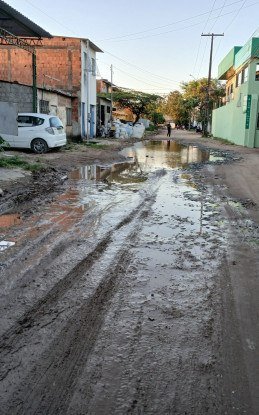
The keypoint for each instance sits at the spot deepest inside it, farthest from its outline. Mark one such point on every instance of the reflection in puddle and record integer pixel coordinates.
(5, 244)
(113, 190)
(145, 157)
(166, 153)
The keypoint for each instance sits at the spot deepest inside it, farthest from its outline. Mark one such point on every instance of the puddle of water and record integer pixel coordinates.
(143, 158)
(5, 244)
(167, 153)
(114, 190)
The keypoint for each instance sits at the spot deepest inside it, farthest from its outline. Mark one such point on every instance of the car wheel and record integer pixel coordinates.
(39, 146)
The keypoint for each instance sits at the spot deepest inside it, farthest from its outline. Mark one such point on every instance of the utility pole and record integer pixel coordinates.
(208, 112)
(88, 101)
(34, 82)
(111, 91)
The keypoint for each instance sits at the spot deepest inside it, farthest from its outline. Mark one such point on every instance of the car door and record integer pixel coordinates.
(25, 131)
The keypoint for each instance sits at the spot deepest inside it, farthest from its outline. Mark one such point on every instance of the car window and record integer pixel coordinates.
(37, 121)
(55, 122)
(24, 121)
(29, 121)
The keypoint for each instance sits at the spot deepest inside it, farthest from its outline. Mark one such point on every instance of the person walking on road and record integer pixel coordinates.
(169, 128)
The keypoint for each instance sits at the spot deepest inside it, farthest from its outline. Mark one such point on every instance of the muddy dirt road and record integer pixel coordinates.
(134, 291)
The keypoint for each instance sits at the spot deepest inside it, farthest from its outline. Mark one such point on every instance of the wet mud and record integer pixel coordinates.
(117, 296)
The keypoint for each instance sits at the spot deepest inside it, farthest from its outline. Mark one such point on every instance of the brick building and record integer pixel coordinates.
(65, 64)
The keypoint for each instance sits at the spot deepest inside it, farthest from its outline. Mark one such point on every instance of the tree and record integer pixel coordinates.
(192, 101)
(196, 91)
(174, 107)
(157, 117)
(140, 103)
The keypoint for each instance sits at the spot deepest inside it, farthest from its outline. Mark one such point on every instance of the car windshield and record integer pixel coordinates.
(55, 122)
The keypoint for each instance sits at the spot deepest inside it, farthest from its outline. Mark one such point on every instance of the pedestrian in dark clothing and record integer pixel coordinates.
(169, 128)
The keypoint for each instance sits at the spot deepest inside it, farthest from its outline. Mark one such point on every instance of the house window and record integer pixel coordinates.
(238, 79)
(245, 74)
(257, 72)
(93, 67)
(231, 91)
(108, 109)
(257, 126)
(44, 106)
(69, 116)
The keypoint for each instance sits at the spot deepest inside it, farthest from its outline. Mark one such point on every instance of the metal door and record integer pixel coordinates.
(83, 119)
(92, 120)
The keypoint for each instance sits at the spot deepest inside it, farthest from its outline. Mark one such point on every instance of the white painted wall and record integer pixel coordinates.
(88, 81)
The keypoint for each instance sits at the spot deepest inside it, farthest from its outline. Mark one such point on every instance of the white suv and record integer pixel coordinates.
(38, 132)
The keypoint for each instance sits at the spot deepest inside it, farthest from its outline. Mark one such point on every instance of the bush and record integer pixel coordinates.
(152, 127)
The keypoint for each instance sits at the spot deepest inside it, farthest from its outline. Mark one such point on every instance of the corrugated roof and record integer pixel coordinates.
(19, 25)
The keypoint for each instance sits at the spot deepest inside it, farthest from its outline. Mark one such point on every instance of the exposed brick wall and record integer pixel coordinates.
(102, 87)
(58, 58)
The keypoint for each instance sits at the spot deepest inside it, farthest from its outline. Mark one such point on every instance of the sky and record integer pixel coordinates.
(153, 45)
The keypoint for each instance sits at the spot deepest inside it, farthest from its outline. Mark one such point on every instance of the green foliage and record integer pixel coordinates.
(174, 106)
(16, 161)
(140, 103)
(193, 100)
(3, 144)
(152, 127)
(157, 117)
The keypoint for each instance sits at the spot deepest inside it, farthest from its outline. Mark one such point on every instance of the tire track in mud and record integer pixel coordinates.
(33, 248)
(41, 307)
(49, 385)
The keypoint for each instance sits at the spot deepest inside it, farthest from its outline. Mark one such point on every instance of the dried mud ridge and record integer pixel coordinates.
(35, 189)
(62, 362)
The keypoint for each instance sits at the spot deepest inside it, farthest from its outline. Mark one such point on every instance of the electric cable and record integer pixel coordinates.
(169, 24)
(196, 60)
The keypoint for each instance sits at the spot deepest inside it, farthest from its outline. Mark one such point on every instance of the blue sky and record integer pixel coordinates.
(152, 45)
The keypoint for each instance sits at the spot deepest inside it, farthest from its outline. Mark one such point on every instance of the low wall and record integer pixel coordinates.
(228, 122)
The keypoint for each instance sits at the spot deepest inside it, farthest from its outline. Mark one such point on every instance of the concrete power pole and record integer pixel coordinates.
(208, 110)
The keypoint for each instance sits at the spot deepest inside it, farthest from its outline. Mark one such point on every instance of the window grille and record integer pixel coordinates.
(44, 106)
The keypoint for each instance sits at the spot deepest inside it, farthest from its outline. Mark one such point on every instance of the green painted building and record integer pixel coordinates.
(237, 120)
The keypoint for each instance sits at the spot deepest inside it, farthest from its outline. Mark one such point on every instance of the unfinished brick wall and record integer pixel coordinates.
(59, 58)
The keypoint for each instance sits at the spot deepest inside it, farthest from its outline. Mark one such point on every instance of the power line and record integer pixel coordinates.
(198, 52)
(140, 69)
(169, 24)
(227, 27)
(217, 17)
(51, 17)
(238, 11)
(175, 30)
(156, 84)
